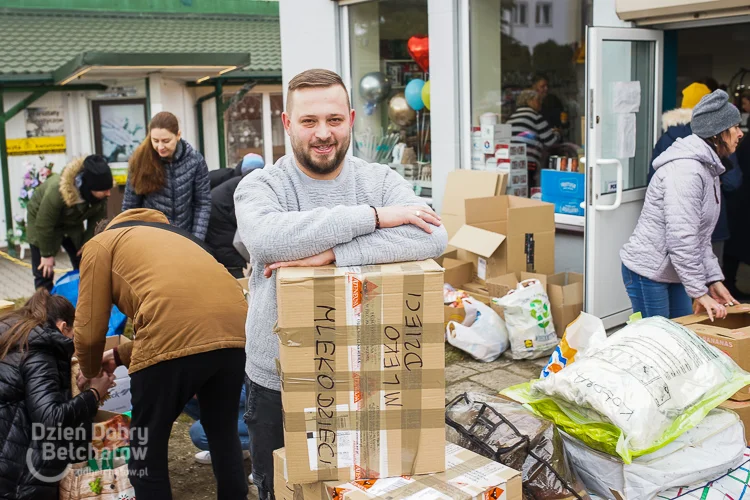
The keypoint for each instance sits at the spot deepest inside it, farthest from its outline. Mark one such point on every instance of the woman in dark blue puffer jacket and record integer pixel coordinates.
(168, 175)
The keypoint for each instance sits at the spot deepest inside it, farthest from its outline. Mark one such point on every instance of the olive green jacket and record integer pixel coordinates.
(56, 210)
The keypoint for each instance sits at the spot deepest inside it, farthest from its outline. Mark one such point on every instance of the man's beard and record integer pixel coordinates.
(304, 156)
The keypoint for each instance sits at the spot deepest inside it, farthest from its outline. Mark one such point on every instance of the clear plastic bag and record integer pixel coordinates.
(482, 333)
(638, 391)
(507, 433)
(528, 316)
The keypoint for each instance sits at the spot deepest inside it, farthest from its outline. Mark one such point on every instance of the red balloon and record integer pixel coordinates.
(419, 50)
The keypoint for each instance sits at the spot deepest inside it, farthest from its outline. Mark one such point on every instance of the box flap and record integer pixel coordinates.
(499, 286)
(464, 184)
(699, 318)
(479, 241)
(530, 216)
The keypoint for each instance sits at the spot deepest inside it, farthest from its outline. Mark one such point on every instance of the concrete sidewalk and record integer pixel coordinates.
(16, 280)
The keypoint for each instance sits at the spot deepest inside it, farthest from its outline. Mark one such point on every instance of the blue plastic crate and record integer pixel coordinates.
(556, 185)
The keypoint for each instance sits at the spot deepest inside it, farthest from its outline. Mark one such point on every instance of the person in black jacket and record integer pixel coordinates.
(36, 347)
(222, 225)
(249, 162)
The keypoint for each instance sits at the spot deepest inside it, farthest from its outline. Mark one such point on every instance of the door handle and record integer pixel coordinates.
(596, 185)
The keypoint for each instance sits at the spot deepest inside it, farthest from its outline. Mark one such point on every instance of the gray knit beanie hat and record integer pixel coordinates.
(714, 114)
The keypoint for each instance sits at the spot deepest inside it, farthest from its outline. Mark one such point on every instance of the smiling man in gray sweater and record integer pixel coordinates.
(313, 208)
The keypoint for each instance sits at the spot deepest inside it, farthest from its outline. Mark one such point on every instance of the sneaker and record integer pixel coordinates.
(204, 457)
(250, 479)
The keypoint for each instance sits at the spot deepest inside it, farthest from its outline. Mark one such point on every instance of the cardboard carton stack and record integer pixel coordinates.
(362, 367)
(494, 151)
(504, 240)
(468, 476)
(730, 335)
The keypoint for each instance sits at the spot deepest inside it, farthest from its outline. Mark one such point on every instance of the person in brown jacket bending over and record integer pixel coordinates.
(188, 317)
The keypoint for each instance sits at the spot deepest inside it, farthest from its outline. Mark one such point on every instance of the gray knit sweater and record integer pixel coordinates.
(283, 215)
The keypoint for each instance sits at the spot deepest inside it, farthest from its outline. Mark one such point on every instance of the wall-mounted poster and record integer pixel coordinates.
(119, 127)
(45, 122)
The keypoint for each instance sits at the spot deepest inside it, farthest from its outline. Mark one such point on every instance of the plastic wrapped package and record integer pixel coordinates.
(703, 453)
(586, 332)
(511, 435)
(638, 390)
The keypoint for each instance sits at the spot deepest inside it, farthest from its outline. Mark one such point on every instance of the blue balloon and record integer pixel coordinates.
(413, 93)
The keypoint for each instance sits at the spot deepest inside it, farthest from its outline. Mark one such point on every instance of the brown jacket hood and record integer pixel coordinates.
(68, 190)
(181, 300)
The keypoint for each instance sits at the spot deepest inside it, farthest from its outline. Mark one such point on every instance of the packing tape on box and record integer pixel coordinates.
(366, 341)
(345, 381)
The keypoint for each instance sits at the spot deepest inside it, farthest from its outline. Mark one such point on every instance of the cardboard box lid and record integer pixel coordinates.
(294, 275)
(465, 184)
(478, 241)
(700, 318)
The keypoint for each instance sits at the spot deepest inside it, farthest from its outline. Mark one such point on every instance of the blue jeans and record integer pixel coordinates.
(198, 435)
(651, 298)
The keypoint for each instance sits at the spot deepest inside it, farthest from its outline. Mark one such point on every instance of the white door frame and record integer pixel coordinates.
(595, 202)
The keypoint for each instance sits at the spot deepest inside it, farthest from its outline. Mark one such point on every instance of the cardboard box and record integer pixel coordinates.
(499, 133)
(512, 165)
(119, 396)
(469, 476)
(730, 335)
(6, 306)
(557, 184)
(497, 235)
(362, 368)
(742, 409)
(518, 191)
(507, 150)
(465, 184)
(565, 292)
(457, 272)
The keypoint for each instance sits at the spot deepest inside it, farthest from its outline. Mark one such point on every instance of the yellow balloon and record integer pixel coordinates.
(426, 94)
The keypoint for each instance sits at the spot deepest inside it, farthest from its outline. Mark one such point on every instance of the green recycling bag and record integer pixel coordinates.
(638, 391)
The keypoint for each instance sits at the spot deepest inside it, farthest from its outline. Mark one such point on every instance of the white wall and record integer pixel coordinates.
(605, 14)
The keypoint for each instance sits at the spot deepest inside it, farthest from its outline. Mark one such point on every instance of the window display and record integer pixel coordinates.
(528, 72)
(244, 126)
(390, 63)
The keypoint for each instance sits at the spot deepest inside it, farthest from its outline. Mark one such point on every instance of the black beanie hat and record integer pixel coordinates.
(96, 175)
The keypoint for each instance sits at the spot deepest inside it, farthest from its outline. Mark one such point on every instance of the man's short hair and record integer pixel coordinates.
(525, 97)
(315, 78)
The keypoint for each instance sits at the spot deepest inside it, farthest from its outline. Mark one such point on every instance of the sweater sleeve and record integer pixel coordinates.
(94, 308)
(47, 217)
(201, 201)
(46, 401)
(272, 233)
(394, 244)
(130, 198)
(682, 211)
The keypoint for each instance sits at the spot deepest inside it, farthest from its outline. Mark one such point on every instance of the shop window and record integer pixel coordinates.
(277, 127)
(544, 14)
(509, 56)
(243, 122)
(519, 12)
(389, 54)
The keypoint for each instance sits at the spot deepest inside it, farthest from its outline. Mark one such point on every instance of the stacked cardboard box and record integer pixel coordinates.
(730, 335)
(468, 476)
(463, 185)
(362, 367)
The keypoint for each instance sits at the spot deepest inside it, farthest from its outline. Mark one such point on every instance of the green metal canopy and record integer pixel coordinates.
(48, 47)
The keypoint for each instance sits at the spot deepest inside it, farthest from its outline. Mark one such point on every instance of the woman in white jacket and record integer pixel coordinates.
(669, 261)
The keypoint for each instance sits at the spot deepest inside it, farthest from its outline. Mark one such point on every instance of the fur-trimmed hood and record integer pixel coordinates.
(675, 117)
(70, 193)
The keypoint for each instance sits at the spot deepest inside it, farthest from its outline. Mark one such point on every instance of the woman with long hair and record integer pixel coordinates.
(166, 174)
(669, 261)
(38, 415)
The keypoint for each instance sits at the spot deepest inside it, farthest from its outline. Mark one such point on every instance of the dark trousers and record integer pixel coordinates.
(36, 259)
(159, 394)
(237, 272)
(264, 423)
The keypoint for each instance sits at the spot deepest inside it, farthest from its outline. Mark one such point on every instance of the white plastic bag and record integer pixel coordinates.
(709, 450)
(482, 334)
(528, 316)
(586, 332)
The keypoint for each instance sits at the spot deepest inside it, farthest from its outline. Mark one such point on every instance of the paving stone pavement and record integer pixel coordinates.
(464, 374)
(16, 280)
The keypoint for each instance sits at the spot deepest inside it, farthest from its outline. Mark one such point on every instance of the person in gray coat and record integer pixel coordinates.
(168, 175)
(669, 259)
